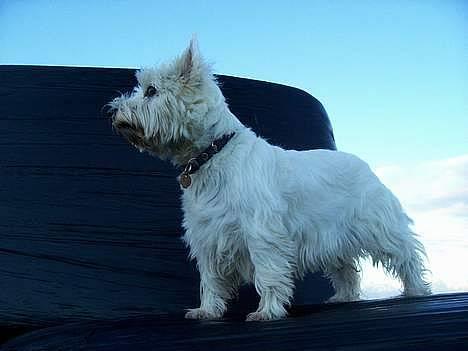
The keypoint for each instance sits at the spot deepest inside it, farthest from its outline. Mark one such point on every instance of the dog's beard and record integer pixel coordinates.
(179, 150)
(132, 133)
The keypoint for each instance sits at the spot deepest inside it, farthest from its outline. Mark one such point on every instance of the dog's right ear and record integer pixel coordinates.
(189, 58)
(191, 66)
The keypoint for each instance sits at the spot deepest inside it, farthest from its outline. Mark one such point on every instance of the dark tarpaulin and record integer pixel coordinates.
(90, 229)
(427, 323)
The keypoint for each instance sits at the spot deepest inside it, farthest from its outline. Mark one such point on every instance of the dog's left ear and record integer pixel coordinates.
(191, 64)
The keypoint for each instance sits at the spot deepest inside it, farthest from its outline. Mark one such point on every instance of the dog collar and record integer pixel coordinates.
(195, 163)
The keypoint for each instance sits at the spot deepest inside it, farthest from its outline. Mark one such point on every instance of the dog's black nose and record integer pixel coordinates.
(121, 125)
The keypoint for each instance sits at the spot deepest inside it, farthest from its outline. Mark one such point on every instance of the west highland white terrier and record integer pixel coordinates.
(256, 213)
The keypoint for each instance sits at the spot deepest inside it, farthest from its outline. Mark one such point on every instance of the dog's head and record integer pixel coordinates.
(167, 112)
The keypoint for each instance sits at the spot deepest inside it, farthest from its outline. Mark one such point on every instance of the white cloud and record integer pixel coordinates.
(435, 195)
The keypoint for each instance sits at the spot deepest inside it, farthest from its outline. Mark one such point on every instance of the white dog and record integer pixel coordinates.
(254, 212)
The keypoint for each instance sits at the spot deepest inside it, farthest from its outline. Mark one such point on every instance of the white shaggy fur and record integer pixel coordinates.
(258, 213)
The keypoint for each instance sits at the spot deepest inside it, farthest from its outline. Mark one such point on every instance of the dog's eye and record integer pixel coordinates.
(151, 91)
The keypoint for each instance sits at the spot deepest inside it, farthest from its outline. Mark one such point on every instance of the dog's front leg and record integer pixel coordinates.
(273, 278)
(215, 292)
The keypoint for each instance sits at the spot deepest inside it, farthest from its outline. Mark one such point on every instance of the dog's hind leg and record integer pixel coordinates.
(401, 254)
(346, 282)
(411, 275)
(385, 235)
(407, 264)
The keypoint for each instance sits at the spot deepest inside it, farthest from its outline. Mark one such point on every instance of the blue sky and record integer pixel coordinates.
(391, 74)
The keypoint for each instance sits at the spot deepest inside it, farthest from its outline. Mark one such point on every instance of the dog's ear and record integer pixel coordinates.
(192, 68)
(189, 58)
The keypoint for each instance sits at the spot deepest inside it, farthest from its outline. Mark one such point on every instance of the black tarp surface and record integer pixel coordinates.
(428, 323)
(90, 255)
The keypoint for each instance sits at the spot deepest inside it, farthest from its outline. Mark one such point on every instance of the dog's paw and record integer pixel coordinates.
(421, 291)
(198, 313)
(260, 316)
(342, 298)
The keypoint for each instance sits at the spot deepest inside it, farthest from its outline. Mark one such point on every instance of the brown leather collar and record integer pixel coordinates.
(195, 163)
